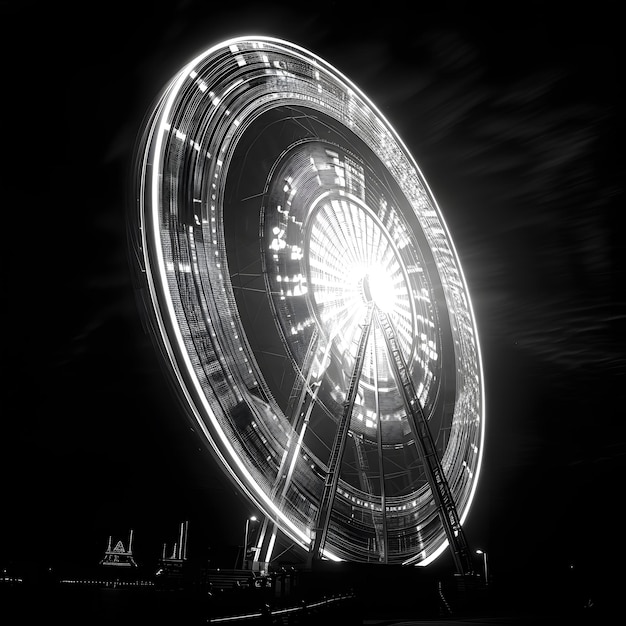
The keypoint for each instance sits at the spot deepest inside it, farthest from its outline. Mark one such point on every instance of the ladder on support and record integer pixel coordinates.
(339, 444)
(426, 446)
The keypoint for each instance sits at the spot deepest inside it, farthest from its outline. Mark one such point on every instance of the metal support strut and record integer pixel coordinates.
(426, 446)
(334, 461)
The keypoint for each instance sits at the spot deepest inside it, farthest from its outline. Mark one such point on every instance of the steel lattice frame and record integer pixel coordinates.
(276, 208)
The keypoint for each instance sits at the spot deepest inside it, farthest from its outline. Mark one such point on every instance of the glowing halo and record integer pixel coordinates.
(275, 206)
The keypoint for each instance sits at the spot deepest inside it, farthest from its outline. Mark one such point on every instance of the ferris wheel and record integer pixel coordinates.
(307, 299)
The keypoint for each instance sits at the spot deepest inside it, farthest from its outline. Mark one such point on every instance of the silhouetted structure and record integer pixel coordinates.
(119, 556)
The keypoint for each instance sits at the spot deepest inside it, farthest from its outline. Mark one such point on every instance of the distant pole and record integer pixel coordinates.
(484, 565)
(245, 541)
(183, 555)
(181, 541)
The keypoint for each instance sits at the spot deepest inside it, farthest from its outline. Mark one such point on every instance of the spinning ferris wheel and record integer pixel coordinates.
(307, 298)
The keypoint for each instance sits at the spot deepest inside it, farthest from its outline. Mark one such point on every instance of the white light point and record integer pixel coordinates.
(378, 287)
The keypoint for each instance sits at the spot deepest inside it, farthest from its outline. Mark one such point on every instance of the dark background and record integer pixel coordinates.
(515, 118)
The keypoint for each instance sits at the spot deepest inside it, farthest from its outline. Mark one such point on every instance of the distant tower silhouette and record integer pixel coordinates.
(119, 556)
(171, 566)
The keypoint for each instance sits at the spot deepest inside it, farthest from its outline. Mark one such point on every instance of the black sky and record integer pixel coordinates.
(515, 120)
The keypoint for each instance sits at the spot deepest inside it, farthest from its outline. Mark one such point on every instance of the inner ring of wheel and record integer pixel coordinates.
(323, 243)
(365, 266)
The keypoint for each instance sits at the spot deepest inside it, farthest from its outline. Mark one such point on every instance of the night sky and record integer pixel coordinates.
(515, 120)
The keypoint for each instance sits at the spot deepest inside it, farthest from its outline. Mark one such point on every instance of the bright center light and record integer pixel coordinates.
(378, 288)
(353, 261)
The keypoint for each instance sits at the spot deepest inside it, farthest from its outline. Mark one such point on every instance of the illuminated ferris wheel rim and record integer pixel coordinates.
(166, 308)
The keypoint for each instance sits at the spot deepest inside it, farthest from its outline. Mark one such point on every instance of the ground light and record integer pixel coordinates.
(486, 574)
